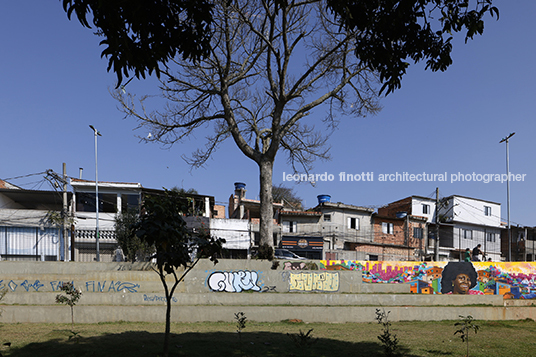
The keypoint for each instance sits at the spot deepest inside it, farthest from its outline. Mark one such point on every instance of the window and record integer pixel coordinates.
(373, 258)
(467, 234)
(490, 237)
(85, 202)
(353, 223)
(417, 232)
(290, 227)
(425, 208)
(327, 217)
(387, 228)
(487, 211)
(129, 202)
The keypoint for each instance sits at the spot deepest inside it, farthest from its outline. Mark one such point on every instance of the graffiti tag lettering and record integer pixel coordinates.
(118, 286)
(25, 285)
(157, 298)
(233, 282)
(326, 282)
(268, 289)
(91, 286)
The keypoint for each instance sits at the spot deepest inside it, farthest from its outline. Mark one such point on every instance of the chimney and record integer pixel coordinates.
(80, 173)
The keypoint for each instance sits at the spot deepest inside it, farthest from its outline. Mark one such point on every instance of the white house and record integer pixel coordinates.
(237, 235)
(464, 223)
(467, 222)
(115, 197)
(31, 227)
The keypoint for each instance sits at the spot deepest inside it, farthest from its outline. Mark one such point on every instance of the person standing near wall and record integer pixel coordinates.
(467, 255)
(476, 253)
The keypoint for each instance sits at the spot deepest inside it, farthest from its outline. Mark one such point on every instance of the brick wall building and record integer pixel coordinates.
(395, 239)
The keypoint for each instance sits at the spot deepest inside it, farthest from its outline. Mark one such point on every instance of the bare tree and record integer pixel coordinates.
(287, 196)
(271, 64)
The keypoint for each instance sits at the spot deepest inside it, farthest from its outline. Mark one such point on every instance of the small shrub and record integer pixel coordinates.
(71, 298)
(241, 319)
(466, 325)
(303, 340)
(387, 338)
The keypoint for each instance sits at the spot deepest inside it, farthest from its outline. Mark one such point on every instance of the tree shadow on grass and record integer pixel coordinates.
(439, 353)
(140, 343)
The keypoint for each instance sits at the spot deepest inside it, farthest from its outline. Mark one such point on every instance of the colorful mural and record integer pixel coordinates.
(512, 280)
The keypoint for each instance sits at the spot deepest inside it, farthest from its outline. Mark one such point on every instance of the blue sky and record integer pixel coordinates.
(53, 85)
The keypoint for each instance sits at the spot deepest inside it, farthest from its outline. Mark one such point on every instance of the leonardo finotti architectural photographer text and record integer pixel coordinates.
(403, 177)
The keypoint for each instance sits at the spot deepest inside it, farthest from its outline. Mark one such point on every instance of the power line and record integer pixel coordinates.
(23, 176)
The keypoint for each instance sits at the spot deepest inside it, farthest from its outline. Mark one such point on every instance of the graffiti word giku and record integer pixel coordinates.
(233, 282)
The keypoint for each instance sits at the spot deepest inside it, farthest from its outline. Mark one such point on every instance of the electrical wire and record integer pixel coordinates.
(23, 176)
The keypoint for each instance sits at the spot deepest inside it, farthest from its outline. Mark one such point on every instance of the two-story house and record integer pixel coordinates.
(32, 224)
(402, 237)
(466, 222)
(115, 197)
(413, 210)
(343, 227)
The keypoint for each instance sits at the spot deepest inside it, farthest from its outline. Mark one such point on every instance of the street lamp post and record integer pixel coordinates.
(97, 133)
(508, 196)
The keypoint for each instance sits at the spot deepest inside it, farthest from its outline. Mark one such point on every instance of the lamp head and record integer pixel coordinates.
(95, 130)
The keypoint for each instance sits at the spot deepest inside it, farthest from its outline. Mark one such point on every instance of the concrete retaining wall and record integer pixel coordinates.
(133, 292)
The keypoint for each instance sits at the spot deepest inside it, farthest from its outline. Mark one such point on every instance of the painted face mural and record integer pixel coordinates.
(459, 278)
(461, 284)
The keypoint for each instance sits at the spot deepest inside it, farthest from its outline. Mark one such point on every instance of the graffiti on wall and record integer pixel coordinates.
(513, 280)
(90, 286)
(294, 266)
(320, 282)
(157, 298)
(234, 282)
(117, 286)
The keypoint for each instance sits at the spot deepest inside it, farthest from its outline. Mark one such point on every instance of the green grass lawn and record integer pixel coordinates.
(494, 338)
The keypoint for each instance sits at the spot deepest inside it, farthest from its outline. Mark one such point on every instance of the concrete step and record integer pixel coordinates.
(258, 299)
(329, 314)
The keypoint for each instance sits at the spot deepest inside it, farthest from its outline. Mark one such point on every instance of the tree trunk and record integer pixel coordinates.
(168, 327)
(266, 229)
(168, 294)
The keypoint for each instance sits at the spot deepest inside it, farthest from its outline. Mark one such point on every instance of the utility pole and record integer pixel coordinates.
(508, 196)
(65, 209)
(51, 175)
(436, 243)
(97, 133)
